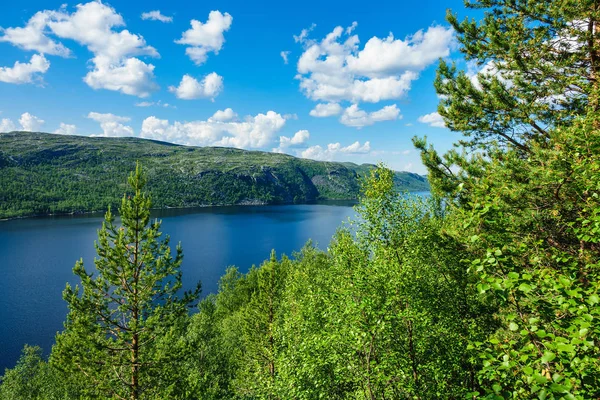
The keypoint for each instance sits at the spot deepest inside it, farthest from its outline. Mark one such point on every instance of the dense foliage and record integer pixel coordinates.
(49, 174)
(490, 289)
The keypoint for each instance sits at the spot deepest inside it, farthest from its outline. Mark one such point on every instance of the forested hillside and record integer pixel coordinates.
(43, 173)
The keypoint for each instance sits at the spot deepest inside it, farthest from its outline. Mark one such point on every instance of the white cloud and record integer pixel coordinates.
(355, 117)
(434, 119)
(156, 15)
(189, 88)
(223, 115)
(112, 124)
(130, 76)
(335, 149)
(30, 123)
(6, 125)
(284, 55)
(253, 132)
(354, 148)
(351, 28)
(107, 117)
(25, 72)
(304, 34)
(207, 37)
(334, 69)
(92, 25)
(158, 103)
(144, 104)
(326, 110)
(33, 36)
(66, 129)
(297, 140)
(381, 57)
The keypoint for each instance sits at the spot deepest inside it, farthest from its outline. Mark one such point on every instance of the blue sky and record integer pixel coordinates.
(349, 90)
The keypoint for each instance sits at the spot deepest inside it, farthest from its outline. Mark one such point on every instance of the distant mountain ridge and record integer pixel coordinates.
(42, 173)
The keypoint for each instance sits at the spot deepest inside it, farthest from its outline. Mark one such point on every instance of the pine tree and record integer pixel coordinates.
(524, 205)
(533, 67)
(123, 322)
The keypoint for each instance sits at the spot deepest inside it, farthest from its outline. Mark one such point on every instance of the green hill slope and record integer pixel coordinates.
(43, 173)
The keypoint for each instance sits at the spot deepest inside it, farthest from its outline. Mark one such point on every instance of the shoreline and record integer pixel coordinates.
(241, 204)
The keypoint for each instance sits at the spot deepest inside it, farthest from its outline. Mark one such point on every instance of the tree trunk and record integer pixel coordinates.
(135, 366)
(593, 44)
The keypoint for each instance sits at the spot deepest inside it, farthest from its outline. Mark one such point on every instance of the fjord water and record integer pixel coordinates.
(37, 256)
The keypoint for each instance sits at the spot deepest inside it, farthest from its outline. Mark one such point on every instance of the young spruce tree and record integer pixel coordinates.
(123, 322)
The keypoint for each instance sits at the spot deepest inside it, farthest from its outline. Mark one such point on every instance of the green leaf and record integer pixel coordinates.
(548, 356)
(524, 287)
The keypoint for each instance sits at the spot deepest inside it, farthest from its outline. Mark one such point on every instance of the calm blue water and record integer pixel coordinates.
(37, 256)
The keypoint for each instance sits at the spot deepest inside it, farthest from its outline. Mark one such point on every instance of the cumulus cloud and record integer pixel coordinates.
(253, 132)
(112, 125)
(434, 119)
(6, 125)
(334, 149)
(284, 55)
(93, 25)
(115, 68)
(25, 72)
(298, 140)
(130, 76)
(335, 69)
(295, 142)
(382, 57)
(326, 110)
(355, 117)
(189, 88)
(66, 129)
(223, 115)
(203, 38)
(156, 15)
(34, 35)
(30, 123)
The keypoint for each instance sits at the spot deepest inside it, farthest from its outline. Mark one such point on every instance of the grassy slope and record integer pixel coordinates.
(42, 173)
